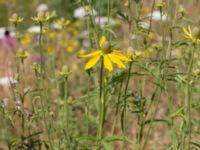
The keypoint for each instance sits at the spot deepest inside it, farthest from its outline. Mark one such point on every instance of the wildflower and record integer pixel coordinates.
(8, 40)
(65, 72)
(189, 35)
(81, 52)
(34, 29)
(71, 46)
(62, 22)
(43, 17)
(81, 12)
(15, 19)
(6, 81)
(135, 54)
(156, 15)
(181, 10)
(160, 5)
(52, 35)
(108, 55)
(50, 50)
(42, 7)
(74, 67)
(26, 40)
(143, 25)
(22, 55)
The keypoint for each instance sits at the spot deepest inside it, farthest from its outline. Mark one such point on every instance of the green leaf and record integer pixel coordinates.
(196, 144)
(87, 138)
(178, 112)
(107, 145)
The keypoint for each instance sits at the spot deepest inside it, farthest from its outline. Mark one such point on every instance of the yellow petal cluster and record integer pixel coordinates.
(187, 33)
(113, 57)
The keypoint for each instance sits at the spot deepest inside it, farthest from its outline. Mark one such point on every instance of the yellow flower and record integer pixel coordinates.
(81, 52)
(108, 55)
(50, 50)
(135, 54)
(147, 52)
(71, 46)
(189, 35)
(16, 19)
(26, 39)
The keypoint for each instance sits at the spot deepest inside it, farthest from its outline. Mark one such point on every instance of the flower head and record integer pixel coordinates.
(43, 17)
(108, 55)
(15, 19)
(189, 35)
(62, 22)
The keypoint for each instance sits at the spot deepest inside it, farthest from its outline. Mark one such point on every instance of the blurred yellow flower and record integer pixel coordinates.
(50, 50)
(26, 40)
(108, 55)
(81, 52)
(74, 67)
(187, 33)
(135, 54)
(71, 46)
(147, 52)
(52, 35)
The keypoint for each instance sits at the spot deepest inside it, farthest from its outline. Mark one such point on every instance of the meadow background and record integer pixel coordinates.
(49, 101)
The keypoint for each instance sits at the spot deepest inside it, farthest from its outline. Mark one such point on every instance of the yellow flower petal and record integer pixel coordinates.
(102, 40)
(120, 56)
(116, 61)
(107, 63)
(92, 62)
(92, 54)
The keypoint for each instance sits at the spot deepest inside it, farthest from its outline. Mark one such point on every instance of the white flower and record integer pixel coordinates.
(6, 81)
(2, 32)
(157, 16)
(103, 20)
(34, 29)
(56, 26)
(81, 12)
(143, 25)
(42, 7)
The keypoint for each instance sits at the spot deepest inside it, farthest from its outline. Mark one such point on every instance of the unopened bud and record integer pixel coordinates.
(106, 47)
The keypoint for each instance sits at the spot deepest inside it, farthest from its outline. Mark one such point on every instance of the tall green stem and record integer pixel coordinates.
(66, 107)
(42, 82)
(117, 107)
(189, 95)
(124, 106)
(101, 103)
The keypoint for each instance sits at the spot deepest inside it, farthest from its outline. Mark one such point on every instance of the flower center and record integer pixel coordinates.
(106, 47)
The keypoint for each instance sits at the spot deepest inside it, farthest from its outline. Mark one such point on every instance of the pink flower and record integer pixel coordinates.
(9, 41)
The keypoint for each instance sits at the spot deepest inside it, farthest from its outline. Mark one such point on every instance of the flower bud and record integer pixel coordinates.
(106, 47)
(130, 51)
(181, 10)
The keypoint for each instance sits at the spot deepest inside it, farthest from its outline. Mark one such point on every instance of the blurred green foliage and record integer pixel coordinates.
(3, 14)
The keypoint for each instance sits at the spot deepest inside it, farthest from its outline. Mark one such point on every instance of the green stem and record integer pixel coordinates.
(101, 103)
(124, 106)
(189, 95)
(42, 84)
(117, 108)
(87, 105)
(66, 107)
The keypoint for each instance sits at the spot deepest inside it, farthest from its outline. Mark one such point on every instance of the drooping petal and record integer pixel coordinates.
(92, 54)
(102, 40)
(92, 62)
(107, 63)
(117, 61)
(120, 56)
